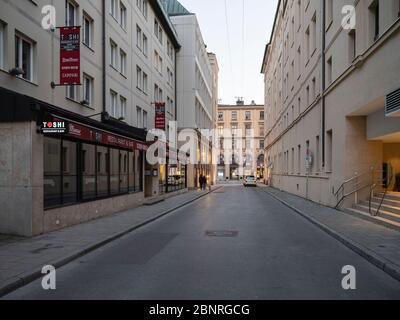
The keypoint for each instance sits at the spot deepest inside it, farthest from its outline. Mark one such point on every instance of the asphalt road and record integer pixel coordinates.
(270, 252)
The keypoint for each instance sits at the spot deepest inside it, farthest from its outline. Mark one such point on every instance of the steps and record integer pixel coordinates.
(389, 214)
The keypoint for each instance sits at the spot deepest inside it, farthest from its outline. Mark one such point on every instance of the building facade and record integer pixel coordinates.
(98, 165)
(196, 82)
(330, 136)
(241, 141)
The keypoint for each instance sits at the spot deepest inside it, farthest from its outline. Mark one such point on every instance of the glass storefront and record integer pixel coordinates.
(75, 172)
(176, 177)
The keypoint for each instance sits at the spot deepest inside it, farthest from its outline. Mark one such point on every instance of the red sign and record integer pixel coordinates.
(160, 116)
(70, 56)
(92, 135)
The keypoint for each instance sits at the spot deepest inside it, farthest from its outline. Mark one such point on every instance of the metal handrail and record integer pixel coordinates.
(383, 197)
(358, 186)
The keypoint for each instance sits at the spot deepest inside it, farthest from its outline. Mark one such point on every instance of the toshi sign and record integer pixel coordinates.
(70, 56)
(160, 115)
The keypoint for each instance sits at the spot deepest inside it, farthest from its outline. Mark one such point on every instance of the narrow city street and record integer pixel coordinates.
(235, 243)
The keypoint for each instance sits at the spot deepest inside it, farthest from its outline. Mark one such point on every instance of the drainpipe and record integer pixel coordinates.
(323, 83)
(104, 55)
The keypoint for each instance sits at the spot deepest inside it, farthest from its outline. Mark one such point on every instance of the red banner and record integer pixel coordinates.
(70, 56)
(160, 115)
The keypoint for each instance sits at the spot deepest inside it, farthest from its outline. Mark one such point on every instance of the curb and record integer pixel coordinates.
(385, 265)
(26, 278)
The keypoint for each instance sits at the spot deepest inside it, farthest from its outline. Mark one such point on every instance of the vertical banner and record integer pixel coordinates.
(160, 116)
(70, 56)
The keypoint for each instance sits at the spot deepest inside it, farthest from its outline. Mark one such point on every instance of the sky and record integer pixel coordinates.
(240, 74)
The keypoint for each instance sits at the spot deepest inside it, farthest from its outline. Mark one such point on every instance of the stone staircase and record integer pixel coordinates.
(389, 214)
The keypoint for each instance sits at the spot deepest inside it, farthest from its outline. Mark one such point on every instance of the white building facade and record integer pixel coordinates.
(330, 136)
(195, 100)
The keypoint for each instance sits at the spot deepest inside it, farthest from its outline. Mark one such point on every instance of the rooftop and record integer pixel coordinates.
(175, 8)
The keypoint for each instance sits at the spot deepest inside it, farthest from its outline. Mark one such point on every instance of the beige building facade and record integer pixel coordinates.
(332, 126)
(240, 130)
(128, 59)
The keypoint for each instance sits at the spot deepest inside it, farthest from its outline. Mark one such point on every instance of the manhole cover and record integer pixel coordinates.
(222, 234)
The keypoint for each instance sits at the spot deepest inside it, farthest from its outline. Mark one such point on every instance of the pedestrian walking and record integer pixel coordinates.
(201, 182)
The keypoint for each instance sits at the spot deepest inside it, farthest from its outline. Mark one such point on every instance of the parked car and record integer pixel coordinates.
(250, 181)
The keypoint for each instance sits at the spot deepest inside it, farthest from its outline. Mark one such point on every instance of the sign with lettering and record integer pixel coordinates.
(160, 116)
(70, 56)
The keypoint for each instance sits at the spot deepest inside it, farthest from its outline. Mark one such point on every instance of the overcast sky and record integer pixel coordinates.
(259, 19)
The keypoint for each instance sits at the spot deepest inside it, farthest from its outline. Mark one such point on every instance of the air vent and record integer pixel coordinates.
(393, 104)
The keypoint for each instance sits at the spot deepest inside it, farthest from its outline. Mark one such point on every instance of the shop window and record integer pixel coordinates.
(52, 172)
(88, 171)
(114, 171)
(138, 171)
(102, 168)
(132, 172)
(123, 158)
(69, 171)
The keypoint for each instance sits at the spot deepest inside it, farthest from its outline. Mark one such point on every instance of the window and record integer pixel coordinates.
(313, 33)
(113, 101)
(156, 93)
(142, 5)
(87, 89)
(139, 40)
(145, 83)
(313, 88)
(70, 14)
(113, 8)
(88, 171)
(123, 107)
(24, 56)
(52, 172)
(247, 115)
(113, 55)
(114, 171)
(158, 32)
(145, 124)
(352, 45)
(72, 93)
(145, 45)
(122, 56)
(122, 15)
(329, 71)
(103, 160)
(2, 42)
(262, 144)
(139, 78)
(249, 130)
(220, 116)
(375, 19)
(329, 148)
(307, 43)
(317, 155)
(262, 115)
(234, 116)
(156, 28)
(87, 30)
(139, 117)
(299, 158)
(329, 12)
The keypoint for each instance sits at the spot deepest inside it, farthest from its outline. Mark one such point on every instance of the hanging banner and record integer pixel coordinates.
(70, 56)
(160, 116)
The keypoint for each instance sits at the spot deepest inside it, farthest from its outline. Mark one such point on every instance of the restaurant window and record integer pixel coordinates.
(102, 167)
(69, 172)
(75, 172)
(138, 171)
(88, 171)
(123, 176)
(52, 172)
(114, 171)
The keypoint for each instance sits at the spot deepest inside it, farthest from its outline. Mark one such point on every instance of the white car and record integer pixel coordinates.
(250, 181)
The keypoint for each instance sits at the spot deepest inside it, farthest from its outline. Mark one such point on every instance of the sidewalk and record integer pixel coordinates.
(21, 259)
(378, 244)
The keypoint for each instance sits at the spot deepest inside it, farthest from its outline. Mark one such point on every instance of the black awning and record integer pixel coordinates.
(16, 107)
